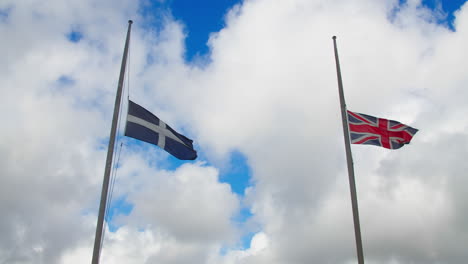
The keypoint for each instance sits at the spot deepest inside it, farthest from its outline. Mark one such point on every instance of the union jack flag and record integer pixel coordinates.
(365, 129)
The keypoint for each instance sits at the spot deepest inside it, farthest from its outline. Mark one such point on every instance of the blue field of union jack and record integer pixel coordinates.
(366, 129)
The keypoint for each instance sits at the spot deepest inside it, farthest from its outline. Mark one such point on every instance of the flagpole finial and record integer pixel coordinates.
(130, 21)
(334, 37)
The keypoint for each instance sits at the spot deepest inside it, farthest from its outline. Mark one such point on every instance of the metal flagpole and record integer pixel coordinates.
(349, 158)
(110, 153)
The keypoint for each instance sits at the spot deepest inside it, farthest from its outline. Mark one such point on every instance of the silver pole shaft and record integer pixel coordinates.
(349, 158)
(110, 154)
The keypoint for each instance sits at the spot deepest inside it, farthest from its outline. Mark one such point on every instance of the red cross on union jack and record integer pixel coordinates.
(365, 129)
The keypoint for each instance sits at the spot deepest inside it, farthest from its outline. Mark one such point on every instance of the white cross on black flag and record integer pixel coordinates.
(144, 126)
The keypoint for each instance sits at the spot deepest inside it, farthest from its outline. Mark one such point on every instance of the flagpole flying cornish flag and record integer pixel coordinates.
(366, 129)
(144, 126)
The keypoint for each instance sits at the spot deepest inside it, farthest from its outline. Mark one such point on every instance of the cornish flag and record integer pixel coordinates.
(144, 126)
(365, 129)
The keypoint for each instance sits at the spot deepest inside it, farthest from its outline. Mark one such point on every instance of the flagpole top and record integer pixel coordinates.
(334, 37)
(130, 22)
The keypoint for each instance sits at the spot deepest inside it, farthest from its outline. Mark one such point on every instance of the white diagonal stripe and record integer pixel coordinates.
(161, 130)
(161, 138)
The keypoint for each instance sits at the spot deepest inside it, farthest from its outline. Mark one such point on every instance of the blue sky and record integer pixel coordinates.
(448, 6)
(201, 19)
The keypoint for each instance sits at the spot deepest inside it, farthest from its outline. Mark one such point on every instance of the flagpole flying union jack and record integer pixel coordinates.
(366, 129)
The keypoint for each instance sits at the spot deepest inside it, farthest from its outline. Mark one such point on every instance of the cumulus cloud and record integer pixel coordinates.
(268, 90)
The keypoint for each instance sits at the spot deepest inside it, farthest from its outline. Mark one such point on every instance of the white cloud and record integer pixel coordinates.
(190, 204)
